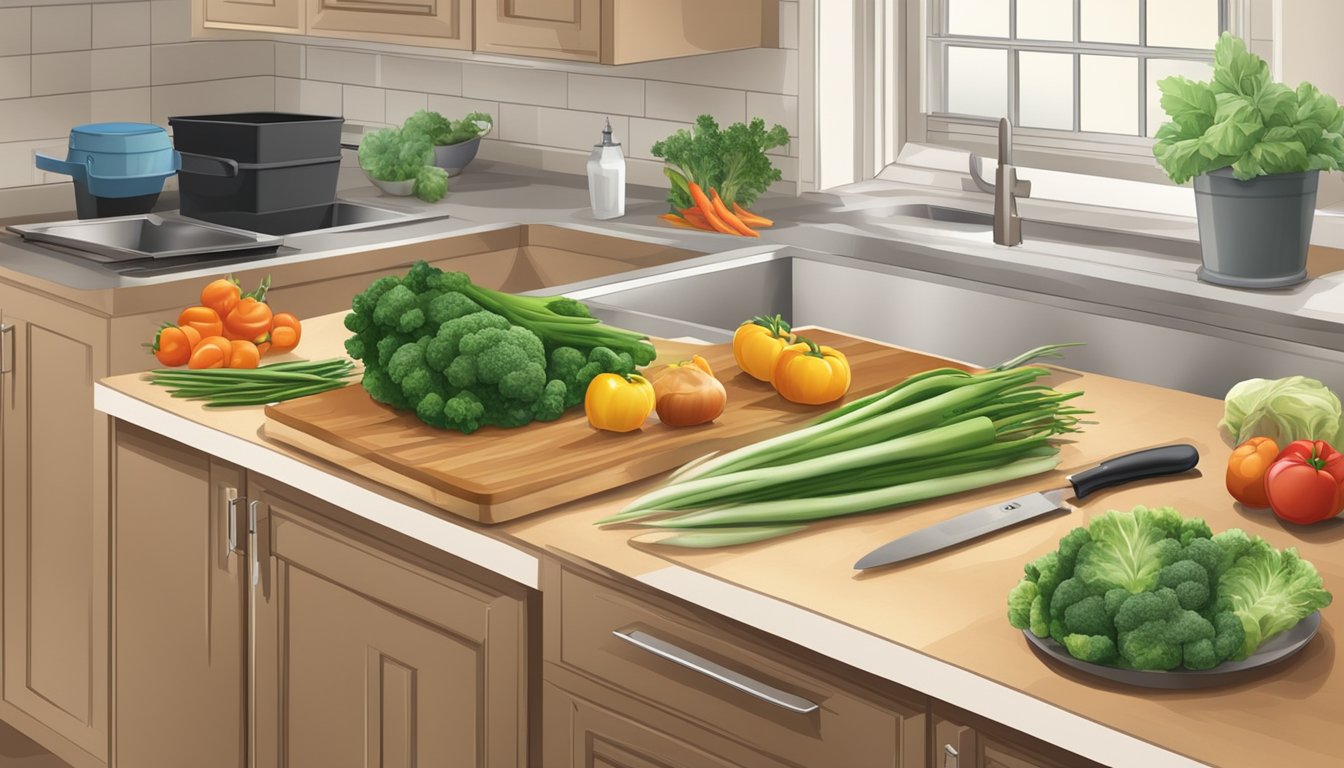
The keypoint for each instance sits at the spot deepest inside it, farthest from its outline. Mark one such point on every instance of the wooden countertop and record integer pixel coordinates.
(951, 608)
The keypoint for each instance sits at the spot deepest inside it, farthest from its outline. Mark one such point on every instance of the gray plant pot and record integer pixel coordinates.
(1255, 234)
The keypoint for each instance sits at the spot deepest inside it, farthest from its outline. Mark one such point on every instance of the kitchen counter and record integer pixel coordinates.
(935, 625)
(1137, 263)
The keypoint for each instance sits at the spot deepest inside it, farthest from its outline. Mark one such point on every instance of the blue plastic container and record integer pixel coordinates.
(123, 162)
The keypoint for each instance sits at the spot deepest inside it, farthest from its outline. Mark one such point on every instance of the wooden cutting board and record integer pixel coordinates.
(493, 475)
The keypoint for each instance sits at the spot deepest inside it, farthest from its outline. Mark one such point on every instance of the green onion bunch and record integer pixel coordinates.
(227, 387)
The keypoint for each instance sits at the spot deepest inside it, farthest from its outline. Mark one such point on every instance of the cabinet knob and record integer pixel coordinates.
(950, 757)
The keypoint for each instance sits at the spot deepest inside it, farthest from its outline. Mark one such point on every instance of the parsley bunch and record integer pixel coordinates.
(731, 160)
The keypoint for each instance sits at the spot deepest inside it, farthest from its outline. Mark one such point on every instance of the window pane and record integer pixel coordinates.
(1110, 94)
(977, 81)
(1183, 23)
(982, 18)
(1045, 86)
(1111, 21)
(1045, 19)
(1163, 68)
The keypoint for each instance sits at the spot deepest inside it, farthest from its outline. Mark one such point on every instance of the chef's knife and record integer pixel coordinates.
(1153, 462)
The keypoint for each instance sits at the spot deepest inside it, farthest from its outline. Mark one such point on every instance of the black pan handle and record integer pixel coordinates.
(349, 146)
(1153, 462)
(208, 165)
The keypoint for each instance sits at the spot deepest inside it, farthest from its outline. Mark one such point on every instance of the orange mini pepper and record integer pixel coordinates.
(212, 352)
(285, 332)
(222, 295)
(205, 320)
(1246, 470)
(249, 321)
(173, 344)
(243, 354)
(810, 374)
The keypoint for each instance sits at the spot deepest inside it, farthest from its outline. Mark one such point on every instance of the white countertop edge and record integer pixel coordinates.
(485, 551)
(902, 665)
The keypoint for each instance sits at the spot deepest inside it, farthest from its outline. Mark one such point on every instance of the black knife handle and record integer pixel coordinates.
(1153, 462)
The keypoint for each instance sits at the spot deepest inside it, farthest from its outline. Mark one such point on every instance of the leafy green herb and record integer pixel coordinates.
(1245, 121)
(442, 132)
(394, 155)
(732, 160)
(431, 183)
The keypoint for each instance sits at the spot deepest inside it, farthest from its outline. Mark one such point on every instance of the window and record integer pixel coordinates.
(1077, 78)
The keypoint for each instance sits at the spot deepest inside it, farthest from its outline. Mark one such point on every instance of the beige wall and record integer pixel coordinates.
(1309, 31)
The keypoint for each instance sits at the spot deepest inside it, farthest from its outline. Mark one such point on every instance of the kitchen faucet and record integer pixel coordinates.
(1005, 189)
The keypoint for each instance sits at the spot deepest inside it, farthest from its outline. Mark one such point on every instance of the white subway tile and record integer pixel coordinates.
(563, 128)
(43, 116)
(342, 66)
(287, 98)
(364, 105)
(121, 24)
(319, 98)
(403, 104)
(674, 101)
(62, 28)
(243, 94)
(768, 70)
(70, 72)
(288, 60)
(455, 108)
(644, 132)
(788, 25)
(423, 75)
(120, 68)
(774, 109)
(616, 95)
(170, 21)
(15, 31)
(202, 61)
(15, 78)
(16, 165)
(519, 85)
(128, 105)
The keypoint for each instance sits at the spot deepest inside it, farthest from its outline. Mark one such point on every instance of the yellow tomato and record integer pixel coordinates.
(618, 403)
(810, 374)
(757, 344)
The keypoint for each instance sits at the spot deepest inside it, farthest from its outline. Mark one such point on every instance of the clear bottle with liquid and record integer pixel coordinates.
(606, 178)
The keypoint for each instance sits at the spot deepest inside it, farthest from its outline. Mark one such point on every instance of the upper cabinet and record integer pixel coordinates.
(436, 23)
(600, 31)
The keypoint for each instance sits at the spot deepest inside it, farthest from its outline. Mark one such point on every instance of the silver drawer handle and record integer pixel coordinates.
(718, 672)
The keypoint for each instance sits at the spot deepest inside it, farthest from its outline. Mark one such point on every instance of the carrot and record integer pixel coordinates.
(751, 219)
(707, 209)
(674, 219)
(696, 219)
(728, 217)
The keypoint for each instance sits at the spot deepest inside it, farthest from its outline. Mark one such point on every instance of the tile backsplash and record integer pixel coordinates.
(64, 65)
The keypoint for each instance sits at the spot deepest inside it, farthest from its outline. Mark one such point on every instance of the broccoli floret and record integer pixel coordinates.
(1070, 591)
(1069, 546)
(406, 359)
(443, 348)
(448, 281)
(1193, 529)
(1057, 629)
(1207, 554)
(1229, 636)
(381, 388)
(1039, 625)
(1019, 603)
(398, 310)
(512, 360)
(464, 412)
(365, 302)
(355, 322)
(1200, 654)
(450, 306)
(430, 410)
(1088, 616)
(1233, 543)
(1146, 607)
(563, 305)
(388, 346)
(1114, 598)
(417, 279)
(1098, 649)
(551, 405)
(1190, 582)
(1048, 575)
(1150, 647)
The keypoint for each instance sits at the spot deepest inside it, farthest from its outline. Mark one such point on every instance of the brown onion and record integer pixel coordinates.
(686, 394)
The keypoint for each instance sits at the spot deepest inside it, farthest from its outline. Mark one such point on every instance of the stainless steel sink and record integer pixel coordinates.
(958, 318)
(145, 236)
(932, 212)
(340, 216)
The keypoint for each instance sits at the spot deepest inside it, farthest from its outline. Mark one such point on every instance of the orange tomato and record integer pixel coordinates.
(205, 320)
(243, 354)
(285, 332)
(212, 352)
(1246, 470)
(222, 295)
(173, 344)
(757, 344)
(810, 374)
(250, 320)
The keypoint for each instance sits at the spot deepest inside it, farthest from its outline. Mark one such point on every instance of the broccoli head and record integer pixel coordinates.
(1098, 649)
(449, 305)
(443, 348)
(365, 302)
(1070, 591)
(399, 310)
(1088, 617)
(1190, 582)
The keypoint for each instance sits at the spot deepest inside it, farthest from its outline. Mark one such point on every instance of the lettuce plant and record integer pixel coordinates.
(1245, 121)
(442, 131)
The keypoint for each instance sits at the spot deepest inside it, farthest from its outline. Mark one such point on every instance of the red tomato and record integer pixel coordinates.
(1305, 484)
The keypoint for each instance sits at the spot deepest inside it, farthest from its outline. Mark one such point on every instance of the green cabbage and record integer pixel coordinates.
(1284, 410)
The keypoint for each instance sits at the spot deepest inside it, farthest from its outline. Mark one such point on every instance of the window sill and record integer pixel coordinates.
(1077, 200)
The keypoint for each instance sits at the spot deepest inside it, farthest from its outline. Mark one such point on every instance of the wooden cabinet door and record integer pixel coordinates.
(261, 15)
(437, 23)
(54, 515)
(179, 583)
(548, 29)
(962, 740)
(366, 656)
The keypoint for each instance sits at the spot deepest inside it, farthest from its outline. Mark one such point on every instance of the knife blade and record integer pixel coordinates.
(1152, 462)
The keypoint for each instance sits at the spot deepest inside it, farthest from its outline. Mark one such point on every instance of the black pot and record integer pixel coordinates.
(259, 137)
(208, 184)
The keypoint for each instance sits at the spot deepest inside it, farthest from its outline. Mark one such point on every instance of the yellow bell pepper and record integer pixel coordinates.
(618, 403)
(757, 344)
(810, 374)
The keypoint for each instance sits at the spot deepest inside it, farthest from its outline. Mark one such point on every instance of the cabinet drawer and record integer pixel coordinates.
(723, 678)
